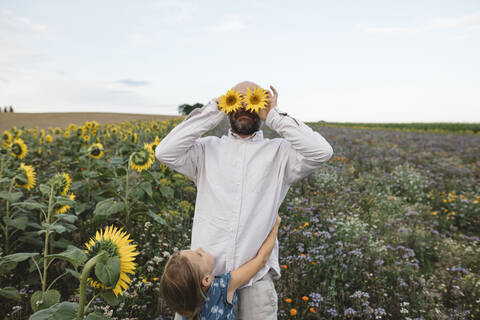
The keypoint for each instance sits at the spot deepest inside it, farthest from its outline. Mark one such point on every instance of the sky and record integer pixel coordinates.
(338, 61)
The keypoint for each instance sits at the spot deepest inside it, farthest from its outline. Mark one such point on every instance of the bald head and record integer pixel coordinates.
(243, 86)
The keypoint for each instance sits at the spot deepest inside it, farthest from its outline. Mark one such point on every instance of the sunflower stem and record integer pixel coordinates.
(7, 214)
(47, 235)
(91, 300)
(127, 189)
(1, 166)
(83, 280)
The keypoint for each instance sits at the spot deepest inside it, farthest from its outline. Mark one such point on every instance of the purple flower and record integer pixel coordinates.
(350, 312)
(333, 312)
(315, 298)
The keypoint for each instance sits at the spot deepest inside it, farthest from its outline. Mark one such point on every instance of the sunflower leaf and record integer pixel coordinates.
(67, 217)
(59, 311)
(73, 273)
(19, 257)
(10, 293)
(96, 316)
(19, 223)
(43, 300)
(11, 196)
(30, 204)
(108, 207)
(147, 187)
(108, 273)
(117, 161)
(6, 266)
(73, 255)
(111, 299)
(45, 189)
(167, 192)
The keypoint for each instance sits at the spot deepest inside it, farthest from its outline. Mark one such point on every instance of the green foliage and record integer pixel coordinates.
(388, 227)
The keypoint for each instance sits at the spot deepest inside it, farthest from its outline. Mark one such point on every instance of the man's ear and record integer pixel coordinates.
(207, 280)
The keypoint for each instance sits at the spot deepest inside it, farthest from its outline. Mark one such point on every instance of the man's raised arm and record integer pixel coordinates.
(306, 149)
(180, 149)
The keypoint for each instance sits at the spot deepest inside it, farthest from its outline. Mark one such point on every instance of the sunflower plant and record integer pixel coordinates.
(110, 262)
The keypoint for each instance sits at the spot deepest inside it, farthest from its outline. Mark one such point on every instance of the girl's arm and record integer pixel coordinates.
(242, 275)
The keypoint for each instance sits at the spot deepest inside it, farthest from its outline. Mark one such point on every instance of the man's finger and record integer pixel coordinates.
(274, 91)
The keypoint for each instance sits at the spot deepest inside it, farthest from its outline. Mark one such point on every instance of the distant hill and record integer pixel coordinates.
(62, 120)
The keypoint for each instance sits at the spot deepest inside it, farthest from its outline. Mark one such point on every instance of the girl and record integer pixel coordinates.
(190, 289)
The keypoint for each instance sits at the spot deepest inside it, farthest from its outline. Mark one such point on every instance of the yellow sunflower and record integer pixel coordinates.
(66, 183)
(18, 148)
(255, 100)
(141, 160)
(95, 150)
(117, 243)
(72, 127)
(57, 131)
(86, 138)
(65, 207)
(149, 147)
(48, 138)
(230, 101)
(6, 139)
(114, 130)
(67, 134)
(30, 178)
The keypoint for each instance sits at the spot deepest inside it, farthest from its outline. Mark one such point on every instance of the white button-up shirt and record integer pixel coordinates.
(241, 182)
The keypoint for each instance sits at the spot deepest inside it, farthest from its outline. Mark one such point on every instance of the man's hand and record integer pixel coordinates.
(217, 101)
(271, 103)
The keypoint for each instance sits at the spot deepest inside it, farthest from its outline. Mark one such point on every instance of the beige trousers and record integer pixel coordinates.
(258, 301)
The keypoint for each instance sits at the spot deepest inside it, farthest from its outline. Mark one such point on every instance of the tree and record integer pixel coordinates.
(185, 109)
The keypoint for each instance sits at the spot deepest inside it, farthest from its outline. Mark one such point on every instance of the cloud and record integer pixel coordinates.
(470, 22)
(10, 23)
(228, 27)
(133, 83)
(18, 36)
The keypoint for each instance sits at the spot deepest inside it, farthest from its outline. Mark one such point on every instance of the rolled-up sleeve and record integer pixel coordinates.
(306, 150)
(182, 149)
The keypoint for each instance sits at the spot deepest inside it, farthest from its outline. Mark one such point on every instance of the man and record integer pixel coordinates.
(241, 181)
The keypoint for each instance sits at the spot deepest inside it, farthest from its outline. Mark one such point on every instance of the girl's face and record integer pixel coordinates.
(202, 259)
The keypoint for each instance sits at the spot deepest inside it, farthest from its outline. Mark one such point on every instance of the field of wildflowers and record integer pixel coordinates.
(389, 228)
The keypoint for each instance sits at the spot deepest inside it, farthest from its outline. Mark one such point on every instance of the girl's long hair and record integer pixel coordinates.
(181, 286)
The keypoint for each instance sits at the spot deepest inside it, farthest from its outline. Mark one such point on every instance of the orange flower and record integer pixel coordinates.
(284, 266)
(305, 298)
(293, 312)
(314, 263)
(312, 310)
(288, 300)
(314, 192)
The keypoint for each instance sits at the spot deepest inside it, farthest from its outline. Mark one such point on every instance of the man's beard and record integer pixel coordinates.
(245, 127)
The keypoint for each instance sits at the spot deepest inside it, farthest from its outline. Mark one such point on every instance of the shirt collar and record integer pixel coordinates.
(256, 136)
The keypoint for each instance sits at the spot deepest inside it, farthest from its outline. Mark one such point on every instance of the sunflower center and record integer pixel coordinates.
(255, 99)
(22, 181)
(231, 100)
(106, 245)
(16, 149)
(140, 157)
(95, 152)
